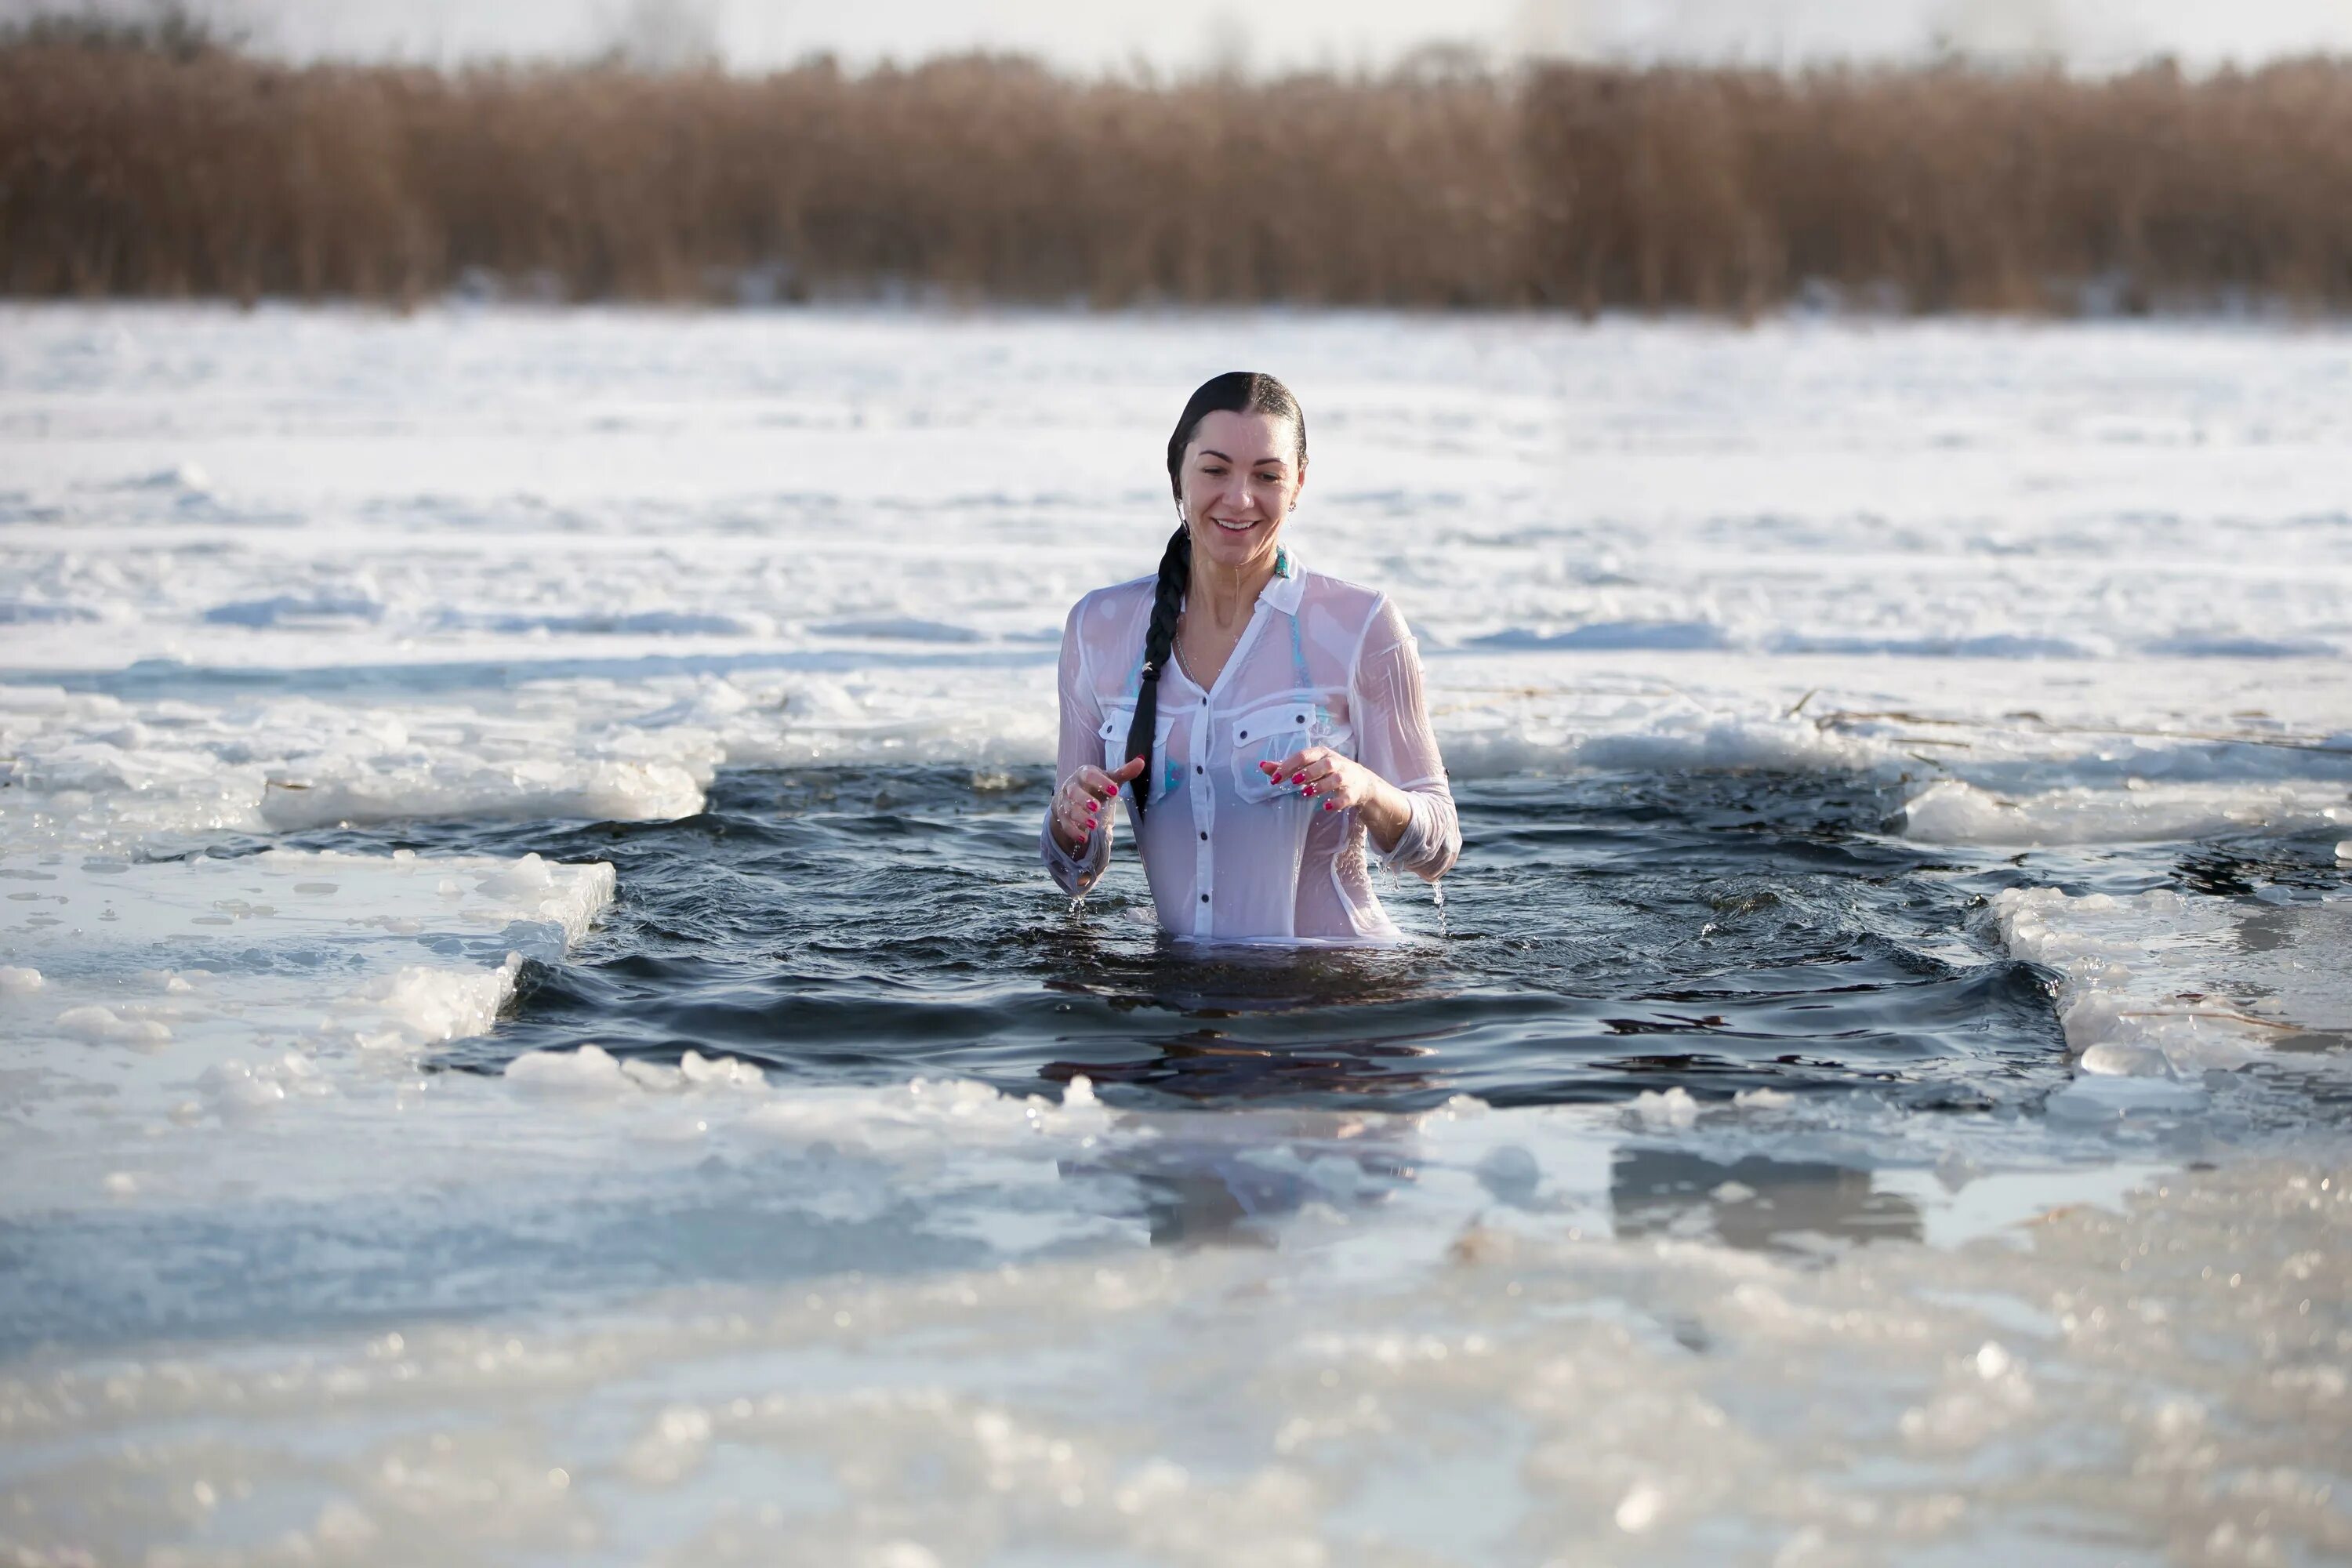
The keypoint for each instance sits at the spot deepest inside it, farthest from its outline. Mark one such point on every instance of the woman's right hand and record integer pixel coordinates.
(1078, 803)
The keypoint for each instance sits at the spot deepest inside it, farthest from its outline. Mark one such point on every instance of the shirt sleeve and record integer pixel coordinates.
(1395, 741)
(1081, 745)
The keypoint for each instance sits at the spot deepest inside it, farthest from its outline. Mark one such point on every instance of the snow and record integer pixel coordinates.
(2052, 588)
(299, 568)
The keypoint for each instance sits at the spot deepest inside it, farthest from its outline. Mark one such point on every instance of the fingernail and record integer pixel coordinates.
(1330, 805)
(1309, 790)
(1298, 778)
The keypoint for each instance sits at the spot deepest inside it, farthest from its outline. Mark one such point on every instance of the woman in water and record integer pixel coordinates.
(1264, 720)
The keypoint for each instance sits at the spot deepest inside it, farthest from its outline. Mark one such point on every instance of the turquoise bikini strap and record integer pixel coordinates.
(1283, 566)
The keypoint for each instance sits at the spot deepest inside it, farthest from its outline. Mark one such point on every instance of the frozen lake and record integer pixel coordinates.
(534, 1031)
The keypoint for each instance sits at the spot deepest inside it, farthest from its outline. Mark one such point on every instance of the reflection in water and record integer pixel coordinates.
(1289, 997)
(1758, 1204)
(1210, 1178)
(1207, 1064)
(2299, 956)
(1231, 980)
(1215, 1178)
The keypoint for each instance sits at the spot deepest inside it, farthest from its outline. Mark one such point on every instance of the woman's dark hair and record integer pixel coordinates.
(1235, 392)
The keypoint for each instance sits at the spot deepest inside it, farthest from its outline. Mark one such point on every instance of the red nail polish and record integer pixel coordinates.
(1309, 790)
(1330, 805)
(1298, 778)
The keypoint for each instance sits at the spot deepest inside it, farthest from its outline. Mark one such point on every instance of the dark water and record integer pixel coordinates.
(1603, 934)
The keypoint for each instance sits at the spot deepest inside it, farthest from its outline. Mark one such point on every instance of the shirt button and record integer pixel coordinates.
(1199, 769)
(1205, 898)
(1205, 838)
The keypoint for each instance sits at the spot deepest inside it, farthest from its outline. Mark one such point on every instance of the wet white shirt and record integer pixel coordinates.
(1231, 853)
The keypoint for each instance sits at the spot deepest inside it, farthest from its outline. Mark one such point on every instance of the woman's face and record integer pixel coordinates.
(1240, 475)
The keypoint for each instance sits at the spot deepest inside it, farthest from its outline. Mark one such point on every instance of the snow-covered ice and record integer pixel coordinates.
(2057, 589)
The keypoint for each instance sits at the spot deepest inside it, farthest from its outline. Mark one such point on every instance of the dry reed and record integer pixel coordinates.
(130, 171)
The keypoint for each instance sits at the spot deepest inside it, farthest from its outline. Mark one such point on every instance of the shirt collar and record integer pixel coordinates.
(1289, 581)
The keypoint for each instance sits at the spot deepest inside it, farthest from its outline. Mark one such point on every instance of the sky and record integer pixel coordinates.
(1267, 38)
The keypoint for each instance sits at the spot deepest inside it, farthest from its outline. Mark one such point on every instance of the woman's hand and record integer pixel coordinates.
(1343, 783)
(1078, 805)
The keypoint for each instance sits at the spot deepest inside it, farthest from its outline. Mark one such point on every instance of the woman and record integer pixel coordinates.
(1265, 720)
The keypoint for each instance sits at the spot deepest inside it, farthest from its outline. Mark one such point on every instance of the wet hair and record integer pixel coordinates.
(1235, 392)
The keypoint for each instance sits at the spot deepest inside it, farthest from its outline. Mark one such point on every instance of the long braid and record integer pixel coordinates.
(1167, 603)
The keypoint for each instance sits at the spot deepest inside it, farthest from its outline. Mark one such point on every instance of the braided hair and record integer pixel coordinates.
(1235, 392)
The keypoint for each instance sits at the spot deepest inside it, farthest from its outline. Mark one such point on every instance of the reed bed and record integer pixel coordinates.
(200, 171)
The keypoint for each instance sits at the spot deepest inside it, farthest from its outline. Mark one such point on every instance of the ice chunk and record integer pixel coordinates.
(238, 1090)
(288, 1001)
(100, 1025)
(2170, 984)
(1953, 812)
(591, 1070)
(523, 880)
(723, 1072)
(1639, 1509)
(1657, 1111)
(420, 1004)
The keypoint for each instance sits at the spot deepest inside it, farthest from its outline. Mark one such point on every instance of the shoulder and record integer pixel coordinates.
(1114, 605)
(1135, 590)
(1343, 603)
(1339, 592)
(1359, 621)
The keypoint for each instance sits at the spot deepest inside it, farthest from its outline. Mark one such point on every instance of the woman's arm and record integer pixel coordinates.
(1077, 857)
(1397, 789)
(1393, 735)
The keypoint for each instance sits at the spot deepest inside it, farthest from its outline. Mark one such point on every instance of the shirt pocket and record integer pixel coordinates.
(1118, 719)
(1273, 731)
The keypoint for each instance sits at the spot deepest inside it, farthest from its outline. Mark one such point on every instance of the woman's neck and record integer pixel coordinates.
(1224, 596)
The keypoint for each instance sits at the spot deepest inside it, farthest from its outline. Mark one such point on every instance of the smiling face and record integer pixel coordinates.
(1240, 475)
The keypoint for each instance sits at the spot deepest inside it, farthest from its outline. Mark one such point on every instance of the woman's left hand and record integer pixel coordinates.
(1342, 783)
(1321, 773)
